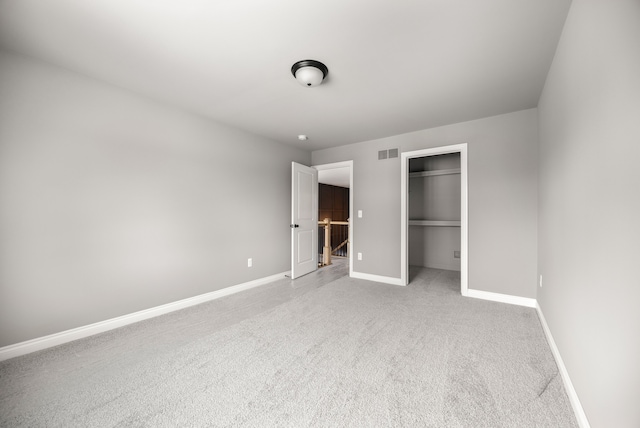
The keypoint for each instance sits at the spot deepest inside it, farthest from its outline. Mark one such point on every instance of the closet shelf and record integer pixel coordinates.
(445, 223)
(434, 172)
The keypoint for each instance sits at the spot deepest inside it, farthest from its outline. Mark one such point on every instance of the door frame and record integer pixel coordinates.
(464, 214)
(345, 164)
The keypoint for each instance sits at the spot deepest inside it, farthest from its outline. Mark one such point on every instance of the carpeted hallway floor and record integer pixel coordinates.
(323, 350)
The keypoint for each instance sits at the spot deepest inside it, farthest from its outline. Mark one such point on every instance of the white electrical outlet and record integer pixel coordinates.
(540, 281)
(359, 256)
(359, 213)
(249, 262)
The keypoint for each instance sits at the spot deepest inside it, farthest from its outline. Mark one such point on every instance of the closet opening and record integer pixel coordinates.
(434, 211)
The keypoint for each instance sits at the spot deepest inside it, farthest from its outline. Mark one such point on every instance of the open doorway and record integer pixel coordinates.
(335, 194)
(439, 215)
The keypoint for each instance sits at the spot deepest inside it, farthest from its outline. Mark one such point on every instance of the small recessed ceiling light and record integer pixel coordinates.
(302, 137)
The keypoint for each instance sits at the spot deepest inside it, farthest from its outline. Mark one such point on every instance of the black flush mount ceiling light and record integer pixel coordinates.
(309, 72)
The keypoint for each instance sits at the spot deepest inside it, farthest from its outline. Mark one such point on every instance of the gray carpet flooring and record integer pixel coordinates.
(323, 350)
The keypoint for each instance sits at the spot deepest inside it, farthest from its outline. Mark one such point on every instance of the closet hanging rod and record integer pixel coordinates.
(434, 172)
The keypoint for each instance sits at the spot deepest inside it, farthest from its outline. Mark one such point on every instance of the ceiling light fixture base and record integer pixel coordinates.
(309, 72)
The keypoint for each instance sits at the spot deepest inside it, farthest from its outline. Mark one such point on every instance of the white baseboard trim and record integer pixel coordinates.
(55, 339)
(581, 417)
(377, 278)
(502, 298)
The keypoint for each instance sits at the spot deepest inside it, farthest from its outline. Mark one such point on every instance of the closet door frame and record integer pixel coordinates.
(464, 214)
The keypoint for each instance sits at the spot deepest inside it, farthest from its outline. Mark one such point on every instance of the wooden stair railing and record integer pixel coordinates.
(327, 251)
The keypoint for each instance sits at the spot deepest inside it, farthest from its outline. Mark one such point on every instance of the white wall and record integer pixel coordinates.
(110, 203)
(589, 231)
(502, 162)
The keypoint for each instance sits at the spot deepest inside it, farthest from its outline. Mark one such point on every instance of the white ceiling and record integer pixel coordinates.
(340, 177)
(394, 66)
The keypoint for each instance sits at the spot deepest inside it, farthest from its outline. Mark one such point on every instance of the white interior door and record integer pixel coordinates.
(304, 220)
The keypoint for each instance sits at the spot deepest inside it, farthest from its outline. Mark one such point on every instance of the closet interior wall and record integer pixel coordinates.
(434, 211)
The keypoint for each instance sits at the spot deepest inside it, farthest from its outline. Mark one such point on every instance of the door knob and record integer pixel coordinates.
(294, 225)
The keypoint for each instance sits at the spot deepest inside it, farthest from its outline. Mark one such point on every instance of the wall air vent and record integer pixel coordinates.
(382, 154)
(393, 153)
